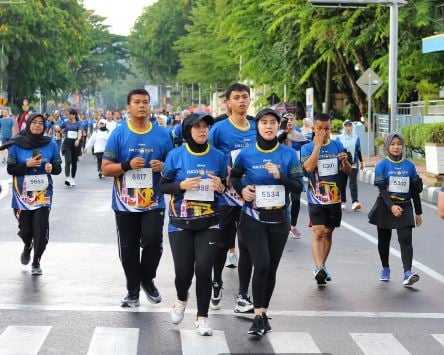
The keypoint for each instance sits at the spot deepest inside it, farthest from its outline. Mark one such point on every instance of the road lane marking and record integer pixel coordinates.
(420, 266)
(379, 344)
(114, 341)
(23, 340)
(225, 312)
(193, 343)
(292, 343)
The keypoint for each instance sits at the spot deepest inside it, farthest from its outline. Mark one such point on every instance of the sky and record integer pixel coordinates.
(121, 14)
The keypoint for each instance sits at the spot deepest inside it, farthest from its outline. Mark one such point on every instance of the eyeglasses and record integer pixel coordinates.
(38, 123)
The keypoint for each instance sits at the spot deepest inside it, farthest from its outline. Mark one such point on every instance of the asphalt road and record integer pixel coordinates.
(73, 308)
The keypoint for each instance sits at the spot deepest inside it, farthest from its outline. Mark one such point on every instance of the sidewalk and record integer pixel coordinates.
(367, 175)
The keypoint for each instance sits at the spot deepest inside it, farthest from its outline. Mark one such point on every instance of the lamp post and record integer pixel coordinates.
(393, 44)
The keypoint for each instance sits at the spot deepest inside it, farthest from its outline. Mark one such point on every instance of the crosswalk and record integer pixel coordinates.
(28, 340)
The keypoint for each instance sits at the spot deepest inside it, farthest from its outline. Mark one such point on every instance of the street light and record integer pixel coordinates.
(393, 46)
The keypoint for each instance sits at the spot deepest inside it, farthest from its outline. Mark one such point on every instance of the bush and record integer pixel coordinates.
(336, 126)
(418, 135)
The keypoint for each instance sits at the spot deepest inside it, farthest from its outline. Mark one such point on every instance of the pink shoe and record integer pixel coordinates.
(294, 233)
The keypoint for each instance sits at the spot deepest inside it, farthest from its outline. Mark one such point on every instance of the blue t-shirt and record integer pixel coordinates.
(252, 160)
(397, 176)
(324, 182)
(230, 139)
(182, 163)
(125, 144)
(23, 196)
(71, 132)
(6, 124)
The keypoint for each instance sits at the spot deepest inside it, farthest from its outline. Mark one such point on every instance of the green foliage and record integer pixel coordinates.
(336, 125)
(418, 135)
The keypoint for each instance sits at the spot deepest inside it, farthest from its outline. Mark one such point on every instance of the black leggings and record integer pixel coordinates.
(137, 230)
(353, 178)
(34, 229)
(405, 242)
(265, 243)
(295, 207)
(71, 158)
(194, 252)
(99, 157)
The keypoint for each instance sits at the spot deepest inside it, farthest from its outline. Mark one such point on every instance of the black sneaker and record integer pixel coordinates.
(216, 296)
(152, 293)
(320, 276)
(267, 326)
(25, 257)
(130, 301)
(257, 328)
(36, 269)
(67, 182)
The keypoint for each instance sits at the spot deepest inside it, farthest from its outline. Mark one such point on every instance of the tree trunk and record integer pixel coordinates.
(327, 98)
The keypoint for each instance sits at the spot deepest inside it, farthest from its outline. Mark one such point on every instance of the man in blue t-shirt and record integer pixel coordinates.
(322, 160)
(7, 130)
(134, 156)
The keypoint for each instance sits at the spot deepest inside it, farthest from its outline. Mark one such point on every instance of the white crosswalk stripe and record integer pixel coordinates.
(379, 344)
(193, 343)
(439, 337)
(114, 341)
(22, 340)
(292, 343)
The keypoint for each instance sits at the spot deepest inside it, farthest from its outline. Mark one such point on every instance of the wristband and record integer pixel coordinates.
(126, 165)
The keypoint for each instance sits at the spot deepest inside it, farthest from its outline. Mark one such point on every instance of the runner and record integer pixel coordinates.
(71, 149)
(229, 136)
(134, 156)
(293, 137)
(264, 174)
(194, 174)
(322, 160)
(97, 142)
(441, 203)
(352, 144)
(32, 159)
(398, 184)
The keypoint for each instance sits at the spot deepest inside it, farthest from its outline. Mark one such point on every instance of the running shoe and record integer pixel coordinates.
(178, 311)
(410, 278)
(356, 206)
(320, 276)
(385, 274)
(343, 206)
(243, 304)
(25, 257)
(36, 269)
(203, 327)
(231, 260)
(100, 175)
(267, 326)
(130, 301)
(294, 233)
(328, 278)
(216, 296)
(152, 293)
(257, 327)
(73, 182)
(67, 182)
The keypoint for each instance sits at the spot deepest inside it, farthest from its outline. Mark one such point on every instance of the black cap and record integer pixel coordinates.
(268, 111)
(195, 118)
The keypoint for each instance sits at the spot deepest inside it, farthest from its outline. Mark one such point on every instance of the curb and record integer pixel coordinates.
(429, 194)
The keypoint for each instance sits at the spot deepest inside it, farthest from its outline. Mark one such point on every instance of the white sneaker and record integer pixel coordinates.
(72, 182)
(294, 233)
(231, 260)
(343, 206)
(356, 206)
(203, 326)
(177, 311)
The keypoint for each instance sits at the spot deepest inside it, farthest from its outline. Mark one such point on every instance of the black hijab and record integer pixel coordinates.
(388, 140)
(25, 139)
(261, 142)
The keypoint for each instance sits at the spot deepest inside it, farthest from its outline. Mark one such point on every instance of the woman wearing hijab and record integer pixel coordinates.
(398, 185)
(264, 174)
(32, 159)
(194, 175)
(97, 142)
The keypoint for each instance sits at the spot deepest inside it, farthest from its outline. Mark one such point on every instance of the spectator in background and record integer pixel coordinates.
(8, 128)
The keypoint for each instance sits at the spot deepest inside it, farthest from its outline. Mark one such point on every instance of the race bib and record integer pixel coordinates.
(270, 196)
(139, 179)
(71, 134)
(328, 167)
(36, 182)
(234, 154)
(400, 184)
(204, 192)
